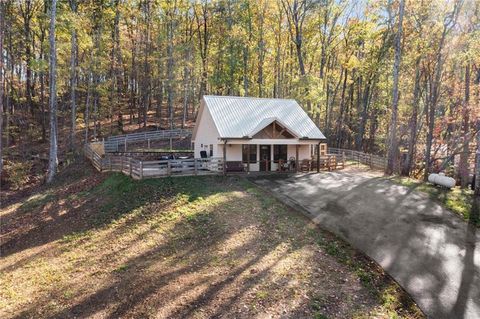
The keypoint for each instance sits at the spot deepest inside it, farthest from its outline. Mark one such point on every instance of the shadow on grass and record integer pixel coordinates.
(52, 215)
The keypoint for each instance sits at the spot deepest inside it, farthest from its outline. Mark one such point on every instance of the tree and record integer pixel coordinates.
(2, 72)
(53, 157)
(392, 147)
(134, 57)
(73, 76)
(448, 23)
(477, 162)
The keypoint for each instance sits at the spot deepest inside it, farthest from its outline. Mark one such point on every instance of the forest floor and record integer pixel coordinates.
(106, 246)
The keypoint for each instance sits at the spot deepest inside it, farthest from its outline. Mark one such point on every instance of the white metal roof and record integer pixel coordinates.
(237, 117)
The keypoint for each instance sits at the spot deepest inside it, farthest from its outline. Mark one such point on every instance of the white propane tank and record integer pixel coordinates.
(442, 180)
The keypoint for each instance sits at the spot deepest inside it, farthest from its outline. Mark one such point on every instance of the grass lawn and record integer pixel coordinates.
(457, 200)
(106, 246)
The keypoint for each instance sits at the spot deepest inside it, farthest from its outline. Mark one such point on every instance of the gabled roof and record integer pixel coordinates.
(240, 117)
(269, 120)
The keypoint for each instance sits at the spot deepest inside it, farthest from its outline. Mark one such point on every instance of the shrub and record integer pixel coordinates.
(17, 174)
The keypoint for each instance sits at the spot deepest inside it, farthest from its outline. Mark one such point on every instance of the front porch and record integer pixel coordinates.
(282, 156)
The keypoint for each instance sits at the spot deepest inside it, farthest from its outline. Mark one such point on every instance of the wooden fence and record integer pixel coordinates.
(139, 169)
(119, 143)
(374, 161)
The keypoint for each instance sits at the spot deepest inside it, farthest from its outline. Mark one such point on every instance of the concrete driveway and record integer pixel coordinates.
(431, 252)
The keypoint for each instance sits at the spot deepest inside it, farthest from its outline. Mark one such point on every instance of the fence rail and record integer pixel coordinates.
(139, 169)
(120, 142)
(374, 161)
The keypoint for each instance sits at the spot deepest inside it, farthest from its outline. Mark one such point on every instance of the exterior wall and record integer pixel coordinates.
(303, 152)
(206, 135)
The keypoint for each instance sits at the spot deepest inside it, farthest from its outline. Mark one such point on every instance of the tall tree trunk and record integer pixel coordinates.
(186, 70)
(407, 165)
(340, 120)
(73, 78)
(476, 186)
(449, 22)
(114, 74)
(27, 13)
(53, 158)
(463, 164)
(170, 26)
(42, 80)
(392, 145)
(2, 73)
(87, 106)
(203, 41)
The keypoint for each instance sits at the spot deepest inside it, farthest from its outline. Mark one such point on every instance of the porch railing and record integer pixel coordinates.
(374, 161)
(325, 162)
(119, 143)
(139, 169)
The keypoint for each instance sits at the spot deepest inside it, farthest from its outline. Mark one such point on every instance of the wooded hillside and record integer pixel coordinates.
(361, 70)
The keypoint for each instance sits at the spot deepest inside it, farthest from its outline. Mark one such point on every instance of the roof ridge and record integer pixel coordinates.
(249, 97)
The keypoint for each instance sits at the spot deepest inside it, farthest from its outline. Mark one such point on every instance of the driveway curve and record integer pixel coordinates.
(432, 253)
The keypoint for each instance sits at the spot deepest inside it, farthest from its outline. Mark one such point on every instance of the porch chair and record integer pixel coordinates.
(305, 165)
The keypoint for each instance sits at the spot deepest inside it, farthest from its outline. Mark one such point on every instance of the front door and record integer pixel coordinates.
(265, 157)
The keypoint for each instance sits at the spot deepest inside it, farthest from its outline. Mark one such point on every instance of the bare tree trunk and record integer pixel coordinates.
(170, 26)
(87, 106)
(203, 40)
(42, 80)
(449, 23)
(477, 163)
(53, 158)
(114, 59)
(392, 147)
(277, 85)
(339, 129)
(407, 166)
(463, 164)
(186, 69)
(2, 72)
(73, 78)
(27, 12)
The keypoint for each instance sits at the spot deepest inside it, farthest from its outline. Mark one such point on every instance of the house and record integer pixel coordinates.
(258, 132)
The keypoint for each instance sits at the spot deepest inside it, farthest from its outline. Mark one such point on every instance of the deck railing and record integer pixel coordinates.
(120, 143)
(374, 161)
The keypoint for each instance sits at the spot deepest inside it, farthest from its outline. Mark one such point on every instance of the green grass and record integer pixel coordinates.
(457, 200)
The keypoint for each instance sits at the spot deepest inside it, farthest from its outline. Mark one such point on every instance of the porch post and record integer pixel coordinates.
(248, 156)
(297, 162)
(225, 157)
(318, 158)
(271, 156)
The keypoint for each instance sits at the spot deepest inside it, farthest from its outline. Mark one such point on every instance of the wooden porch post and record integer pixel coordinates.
(318, 158)
(296, 158)
(248, 157)
(225, 157)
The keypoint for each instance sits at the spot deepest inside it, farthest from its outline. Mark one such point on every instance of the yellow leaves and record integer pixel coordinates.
(352, 63)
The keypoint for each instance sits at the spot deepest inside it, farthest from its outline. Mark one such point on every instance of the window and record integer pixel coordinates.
(323, 149)
(211, 150)
(253, 153)
(279, 153)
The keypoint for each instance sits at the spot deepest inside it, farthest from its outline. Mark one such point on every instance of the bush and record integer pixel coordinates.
(16, 174)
